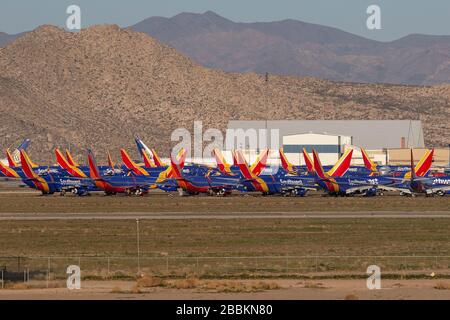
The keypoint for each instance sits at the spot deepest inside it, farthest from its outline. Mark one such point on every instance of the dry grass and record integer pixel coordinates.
(314, 285)
(442, 286)
(223, 286)
(150, 282)
(351, 296)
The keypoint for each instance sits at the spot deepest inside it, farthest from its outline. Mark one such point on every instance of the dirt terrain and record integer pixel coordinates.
(287, 290)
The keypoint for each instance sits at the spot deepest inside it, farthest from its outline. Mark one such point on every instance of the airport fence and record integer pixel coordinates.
(55, 267)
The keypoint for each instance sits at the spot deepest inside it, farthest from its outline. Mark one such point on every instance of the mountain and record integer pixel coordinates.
(291, 47)
(99, 87)
(8, 38)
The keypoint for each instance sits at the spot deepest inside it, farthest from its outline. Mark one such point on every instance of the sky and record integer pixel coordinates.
(398, 17)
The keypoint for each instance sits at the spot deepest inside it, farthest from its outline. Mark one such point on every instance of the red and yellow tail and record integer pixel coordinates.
(222, 165)
(318, 166)
(235, 161)
(341, 167)
(260, 162)
(146, 158)
(368, 163)
(289, 167)
(8, 171)
(93, 169)
(157, 160)
(131, 165)
(27, 169)
(243, 166)
(11, 162)
(70, 159)
(309, 163)
(425, 163)
(111, 162)
(65, 164)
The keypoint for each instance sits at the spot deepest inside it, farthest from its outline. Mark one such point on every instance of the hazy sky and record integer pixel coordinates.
(398, 17)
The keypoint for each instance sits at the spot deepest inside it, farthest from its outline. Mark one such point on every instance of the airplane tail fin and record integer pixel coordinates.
(223, 166)
(11, 161)
(131, 165)
(147, 160)
(424, 164)
(413, 170)
(93, 169)
(176, 166)
(309, 163)
(156, 159)
(235, 161)
(15, 155)
(65, 164)
(341, 167)
(285, 162)
(368, 163)
(26, 165)
(243, 166)
(70, 159)
(318, 169)
(110, 161)
(8, 172)
(260, 162)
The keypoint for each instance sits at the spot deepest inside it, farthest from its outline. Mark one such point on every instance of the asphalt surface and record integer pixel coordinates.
(228, 215)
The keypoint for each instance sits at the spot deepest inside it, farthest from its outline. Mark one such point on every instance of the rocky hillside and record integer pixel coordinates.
(99, 87)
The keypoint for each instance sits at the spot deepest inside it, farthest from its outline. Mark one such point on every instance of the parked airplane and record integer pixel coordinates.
(348, 185)
(49, 183)
(256, 168)
(199, 179)
(14, 157)
(275, 183)
(416, 182)
(334, 171)
(422, 167)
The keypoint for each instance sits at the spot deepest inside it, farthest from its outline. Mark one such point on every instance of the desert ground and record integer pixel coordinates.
(238, 247)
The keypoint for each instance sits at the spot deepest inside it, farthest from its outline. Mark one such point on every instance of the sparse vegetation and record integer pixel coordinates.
(442, 286)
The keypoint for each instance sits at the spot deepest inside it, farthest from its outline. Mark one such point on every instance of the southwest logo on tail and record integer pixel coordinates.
(8, 171)
(260, 162)
(424, 165)
(258, 183)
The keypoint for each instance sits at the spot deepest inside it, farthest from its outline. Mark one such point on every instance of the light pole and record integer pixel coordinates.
(138, 249)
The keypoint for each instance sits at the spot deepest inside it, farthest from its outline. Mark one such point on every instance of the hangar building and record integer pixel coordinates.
(328, 137)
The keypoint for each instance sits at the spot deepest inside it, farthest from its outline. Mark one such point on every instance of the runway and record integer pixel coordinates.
(219, 216)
